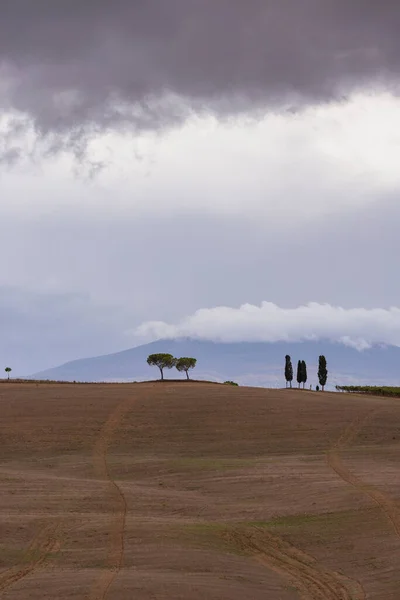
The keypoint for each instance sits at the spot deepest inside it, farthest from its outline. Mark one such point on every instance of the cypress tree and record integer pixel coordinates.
(304, 372)
(322, 371)
(299, 372)
(288, 370)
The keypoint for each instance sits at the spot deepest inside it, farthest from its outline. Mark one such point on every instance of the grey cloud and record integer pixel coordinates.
(165, 267)
(10, 156)
(125, 269)
(45, 328)
(80, 66)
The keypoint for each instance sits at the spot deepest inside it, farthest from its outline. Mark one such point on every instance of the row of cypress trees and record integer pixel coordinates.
(302, 371)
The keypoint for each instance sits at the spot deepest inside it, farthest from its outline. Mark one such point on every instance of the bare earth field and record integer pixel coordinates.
(197, 491)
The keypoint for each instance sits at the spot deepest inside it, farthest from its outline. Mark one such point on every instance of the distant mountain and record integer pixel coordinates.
(255, 364)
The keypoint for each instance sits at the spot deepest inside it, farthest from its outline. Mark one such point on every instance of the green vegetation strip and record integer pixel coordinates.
(372, 390)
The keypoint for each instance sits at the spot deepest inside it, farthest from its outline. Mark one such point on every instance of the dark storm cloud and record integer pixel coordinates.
(97, 63)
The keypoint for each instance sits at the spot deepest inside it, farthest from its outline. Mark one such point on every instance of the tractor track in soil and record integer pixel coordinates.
(36, 556)
(115, 557)
(312, 581)
(384, 501)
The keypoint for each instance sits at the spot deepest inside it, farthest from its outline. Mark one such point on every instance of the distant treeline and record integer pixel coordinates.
(372, 390)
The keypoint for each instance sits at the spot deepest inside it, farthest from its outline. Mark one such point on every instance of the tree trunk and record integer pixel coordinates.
(162, 374)
(323, 388)
(290, 385)
(187, 374)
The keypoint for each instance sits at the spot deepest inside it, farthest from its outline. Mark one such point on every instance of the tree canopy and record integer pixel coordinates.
(301, 372)
(185, 363)
(322, 371)
(162, 361)
(288, 370)
(299, 376)
(304, 372)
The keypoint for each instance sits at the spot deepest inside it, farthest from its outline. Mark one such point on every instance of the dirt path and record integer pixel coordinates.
(313, 581)
(115, 555)
(48, 539)
(385, 503)
(35, 557)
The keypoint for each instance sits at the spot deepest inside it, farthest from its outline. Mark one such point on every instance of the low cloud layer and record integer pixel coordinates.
(95, 64)
(357, 327)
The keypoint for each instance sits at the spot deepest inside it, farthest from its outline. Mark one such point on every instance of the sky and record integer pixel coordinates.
(220, 169)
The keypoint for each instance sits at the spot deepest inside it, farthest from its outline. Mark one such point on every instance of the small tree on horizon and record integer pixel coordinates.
(185, 363)
(8, 371)
(322, 371)
(299, 372)
(304, 372)
(288, 370)
(162, 361)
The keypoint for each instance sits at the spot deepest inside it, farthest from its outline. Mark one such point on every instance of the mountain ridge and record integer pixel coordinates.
(248, 363)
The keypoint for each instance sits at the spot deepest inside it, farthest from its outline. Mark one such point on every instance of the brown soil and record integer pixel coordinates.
(197, 491)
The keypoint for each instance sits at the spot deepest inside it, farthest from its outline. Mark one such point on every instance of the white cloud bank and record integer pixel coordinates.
(357, 327)
(287, 168)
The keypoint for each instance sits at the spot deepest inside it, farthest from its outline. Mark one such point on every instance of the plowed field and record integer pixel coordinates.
(188, 491)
